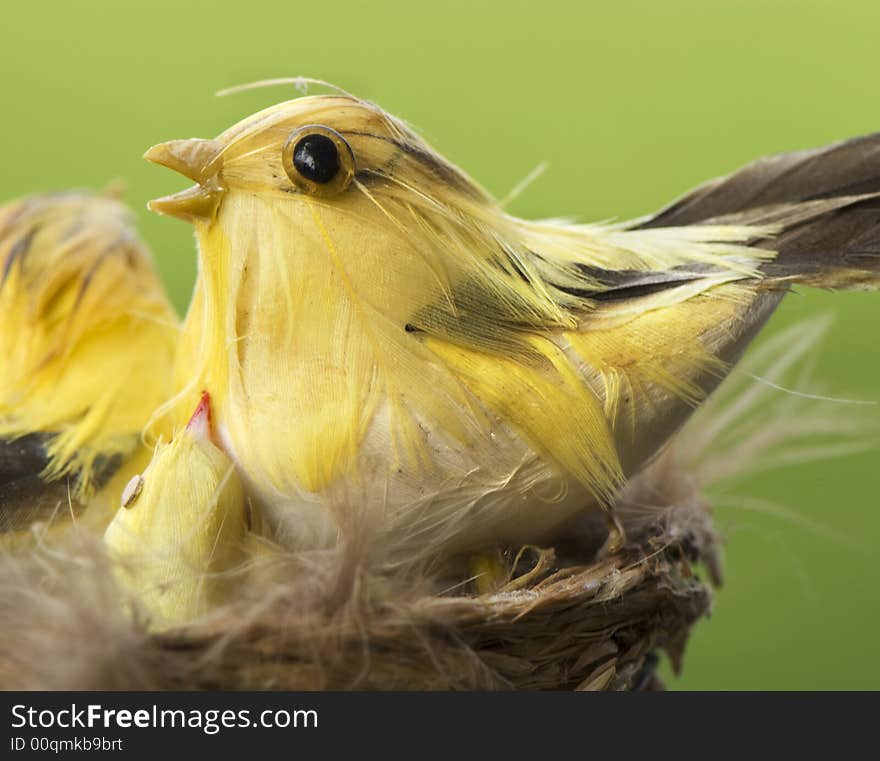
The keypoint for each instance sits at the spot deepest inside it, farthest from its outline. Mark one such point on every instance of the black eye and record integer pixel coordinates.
(316, 158)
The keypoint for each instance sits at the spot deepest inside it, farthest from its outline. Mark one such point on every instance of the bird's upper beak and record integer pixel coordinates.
(199, 160)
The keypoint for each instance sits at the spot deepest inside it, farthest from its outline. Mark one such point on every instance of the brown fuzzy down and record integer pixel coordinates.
(569, 619)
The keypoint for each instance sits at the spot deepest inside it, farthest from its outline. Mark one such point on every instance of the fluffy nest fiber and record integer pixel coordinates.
(567, 617)
(595, 626)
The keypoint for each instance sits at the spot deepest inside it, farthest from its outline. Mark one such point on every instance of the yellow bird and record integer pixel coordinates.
(180, 529)
(87, 340)
(395, 358)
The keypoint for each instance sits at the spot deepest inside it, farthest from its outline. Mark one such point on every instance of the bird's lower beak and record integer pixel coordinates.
(198, 160)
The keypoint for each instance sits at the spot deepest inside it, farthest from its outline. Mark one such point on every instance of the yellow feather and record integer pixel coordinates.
(549, 405)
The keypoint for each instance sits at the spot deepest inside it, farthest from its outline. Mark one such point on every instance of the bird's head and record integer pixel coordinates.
(330, 148)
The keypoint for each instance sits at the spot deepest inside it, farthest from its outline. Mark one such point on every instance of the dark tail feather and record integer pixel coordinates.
(826, 201)
(840, 249)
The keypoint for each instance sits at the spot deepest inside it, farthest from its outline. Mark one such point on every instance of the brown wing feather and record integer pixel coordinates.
(848, 168)
(826, 202)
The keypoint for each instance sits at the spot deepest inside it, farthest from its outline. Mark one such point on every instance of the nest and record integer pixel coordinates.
(595, 627)
(568, 618)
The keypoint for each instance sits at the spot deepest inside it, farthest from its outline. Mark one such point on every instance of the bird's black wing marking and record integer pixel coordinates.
(24, 496)
(629, 284)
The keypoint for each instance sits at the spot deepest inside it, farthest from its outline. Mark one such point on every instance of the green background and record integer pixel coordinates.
(631, 103)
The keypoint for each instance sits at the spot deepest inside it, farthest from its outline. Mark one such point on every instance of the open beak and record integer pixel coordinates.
(201, 423)
(200, 161)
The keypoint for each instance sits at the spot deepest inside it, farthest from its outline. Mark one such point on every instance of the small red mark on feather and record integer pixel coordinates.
(200, 422)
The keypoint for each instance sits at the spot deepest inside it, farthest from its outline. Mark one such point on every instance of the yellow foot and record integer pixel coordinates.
(493, 574)
(616, 535)
(489, 571)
